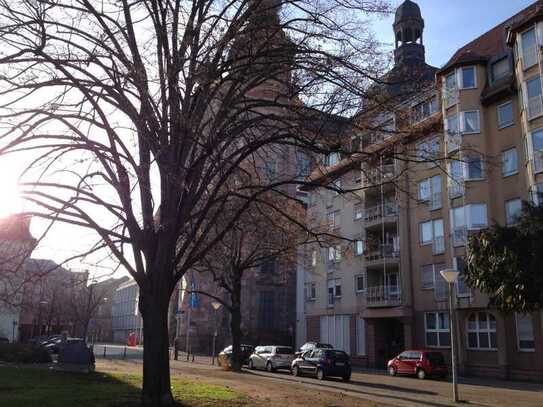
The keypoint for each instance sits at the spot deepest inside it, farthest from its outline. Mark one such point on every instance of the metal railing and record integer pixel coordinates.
(382, 251)
(454, 140)
(379, 175)
(383, 296)
(450, 96)
(456, 188)
(376, 212)
(535, 106)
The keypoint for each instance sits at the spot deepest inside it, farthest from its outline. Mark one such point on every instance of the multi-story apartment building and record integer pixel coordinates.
(446, 162)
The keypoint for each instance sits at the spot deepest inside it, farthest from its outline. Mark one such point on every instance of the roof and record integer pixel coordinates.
(491, 43)
(15, 228)
(407, 10)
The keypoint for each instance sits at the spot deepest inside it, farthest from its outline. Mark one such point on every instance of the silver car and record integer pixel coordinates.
(271, 358)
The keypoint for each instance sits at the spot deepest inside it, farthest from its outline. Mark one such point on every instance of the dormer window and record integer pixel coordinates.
(500, 69)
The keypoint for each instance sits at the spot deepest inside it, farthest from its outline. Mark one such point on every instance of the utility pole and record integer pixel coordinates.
(189, 303)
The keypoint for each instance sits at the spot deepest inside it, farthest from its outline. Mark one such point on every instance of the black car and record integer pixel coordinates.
(323, 363)
(4, 339)
(313, 345)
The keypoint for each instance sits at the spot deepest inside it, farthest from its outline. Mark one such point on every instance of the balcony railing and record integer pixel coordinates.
(450, 96)
(376, 212)
(535, 106)
(383, 296)
(438, 245)
(382, 251)
(379, 175)
(454, 140)
(529, 57)
(460, 236)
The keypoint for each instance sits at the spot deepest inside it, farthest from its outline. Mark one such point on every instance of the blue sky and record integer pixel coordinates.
(450, 24)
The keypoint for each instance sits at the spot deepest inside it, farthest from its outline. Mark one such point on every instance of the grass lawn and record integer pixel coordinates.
(27, 387)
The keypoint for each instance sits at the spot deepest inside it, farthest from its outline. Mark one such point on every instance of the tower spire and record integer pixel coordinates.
(408, 31)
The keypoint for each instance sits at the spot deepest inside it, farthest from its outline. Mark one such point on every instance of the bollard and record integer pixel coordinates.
(124, 353)
(104, 351)
(193, 357)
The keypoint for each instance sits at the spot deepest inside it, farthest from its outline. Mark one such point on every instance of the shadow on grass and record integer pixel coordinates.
(27, 387)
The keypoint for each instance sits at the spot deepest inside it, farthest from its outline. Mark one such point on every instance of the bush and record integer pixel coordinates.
(22, 353)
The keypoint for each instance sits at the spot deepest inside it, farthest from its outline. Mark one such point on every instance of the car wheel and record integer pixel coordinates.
(295, 371)
(320, 374)
(269, 367)
(421, 374)
(347, 377)
(251, 365)
(391, 371)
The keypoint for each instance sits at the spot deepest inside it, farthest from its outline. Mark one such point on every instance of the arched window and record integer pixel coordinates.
(481, 328)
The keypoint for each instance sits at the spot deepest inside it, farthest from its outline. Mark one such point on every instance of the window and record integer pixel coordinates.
(334, 254)
(482, 331)
(468, 78)
(424, 110)
(529, 48)
(337, 187)
(449, 91)
(513, 209)
(314, 258)
(535, 103)
(509, 162)
(505, 115)
(474, 167)
(470, 122)
(303, 165)
(500, 69)
(464, 218)
(430, 191)
(358, 212)
(428, 151)
(359, 247)
(359, 283)
(334, 290)
(432, 232)
(331, 159)
(537, 146)
(430, 275)
(437, 329)
(360, 336)
(310, 291)
(525, 332)
(452, 124)
(334, 220)
(537, 194)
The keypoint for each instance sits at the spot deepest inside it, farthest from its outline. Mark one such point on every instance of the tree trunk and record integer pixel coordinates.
(235, 325)
(156, 390)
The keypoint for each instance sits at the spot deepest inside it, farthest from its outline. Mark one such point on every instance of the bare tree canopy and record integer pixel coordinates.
(137, 114)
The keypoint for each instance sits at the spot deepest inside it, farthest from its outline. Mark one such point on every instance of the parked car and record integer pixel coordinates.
(271, 358)
(54, 345)
(226, 354)
(422, 363)
(322, 363)
(4, 339)
(312, 345)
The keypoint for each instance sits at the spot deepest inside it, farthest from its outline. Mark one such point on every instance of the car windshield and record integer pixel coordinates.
(336, 354)
(284, 351)
(325, 345)
(435, 358)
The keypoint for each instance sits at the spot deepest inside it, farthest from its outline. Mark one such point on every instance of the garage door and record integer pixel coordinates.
(335, 329)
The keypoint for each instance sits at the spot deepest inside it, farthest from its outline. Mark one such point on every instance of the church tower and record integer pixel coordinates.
(408, 29)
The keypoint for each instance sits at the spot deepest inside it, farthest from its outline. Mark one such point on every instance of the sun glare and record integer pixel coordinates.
(10, 201)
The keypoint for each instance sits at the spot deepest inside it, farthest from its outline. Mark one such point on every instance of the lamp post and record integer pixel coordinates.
(451, 277)
(216, 305)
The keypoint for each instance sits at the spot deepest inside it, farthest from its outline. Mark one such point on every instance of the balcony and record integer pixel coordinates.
(380, 175)
(377, 254)
(460, 236)
(537, 161)
(383, 296)
(450, 96)
(377, 213)
(456, 188)
(375, 138)
(535, 107)
(441, 290)
(454, 140)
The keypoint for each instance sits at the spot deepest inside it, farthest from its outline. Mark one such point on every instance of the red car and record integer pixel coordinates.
(422, 363)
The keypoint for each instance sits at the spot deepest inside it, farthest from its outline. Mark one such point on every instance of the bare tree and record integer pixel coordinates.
(136, 114)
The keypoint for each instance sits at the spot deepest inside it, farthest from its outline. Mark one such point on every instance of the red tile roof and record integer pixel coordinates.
(491, 43)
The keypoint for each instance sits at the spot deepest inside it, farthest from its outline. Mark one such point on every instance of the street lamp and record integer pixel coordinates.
(216, 305)
(451, 277)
